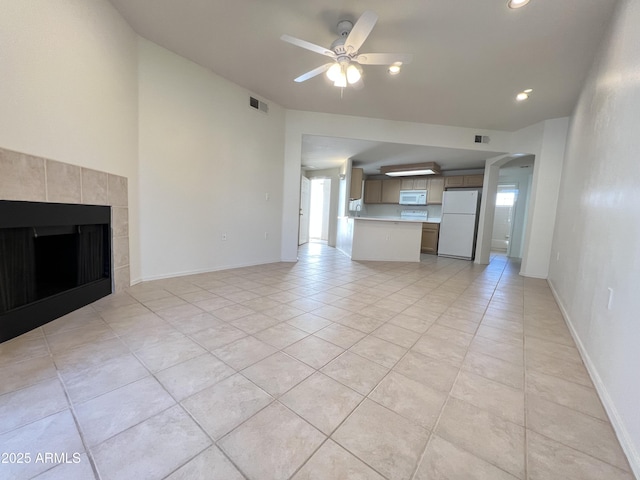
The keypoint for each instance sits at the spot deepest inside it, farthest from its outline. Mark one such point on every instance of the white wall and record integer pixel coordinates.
(597, 234)
(207, 163)
(545, 188)
(546, 141)
(68, 89)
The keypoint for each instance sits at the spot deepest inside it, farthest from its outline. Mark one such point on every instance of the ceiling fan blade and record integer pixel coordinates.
(313, 73)
(360, 31)
(308, 45)
(383, 58)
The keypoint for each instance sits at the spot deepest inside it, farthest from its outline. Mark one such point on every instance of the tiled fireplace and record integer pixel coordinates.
(34, 179)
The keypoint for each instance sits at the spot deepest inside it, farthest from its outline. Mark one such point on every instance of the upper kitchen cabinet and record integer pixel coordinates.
(435, 189)
(413, 184)
(391, 190)
(407, 184)
(420, 183)
(461, 181)
(473, 180)
(373, 191)
(453, 182)
(355, 190)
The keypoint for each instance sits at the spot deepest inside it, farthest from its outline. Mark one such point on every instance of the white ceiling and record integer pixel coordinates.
(471, 57)
(328, 152)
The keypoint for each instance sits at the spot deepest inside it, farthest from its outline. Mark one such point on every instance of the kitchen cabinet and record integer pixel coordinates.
(429, 243)
(355, 189)
(435, 189)
(407, 184)
(420, 184)
(373, 191)
(455, 181)
(391, 190)
(473, 180)
(414, 184)
(461, 181)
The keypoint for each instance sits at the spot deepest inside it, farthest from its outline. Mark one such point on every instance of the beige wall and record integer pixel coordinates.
(209, 165)
(68, 92)
(597, 231)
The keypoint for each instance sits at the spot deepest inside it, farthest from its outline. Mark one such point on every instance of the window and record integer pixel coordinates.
(506, 195)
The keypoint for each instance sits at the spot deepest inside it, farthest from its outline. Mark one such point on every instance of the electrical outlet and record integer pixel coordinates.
(224, 237)
(610, 301)
(266, 235)
(266, 196)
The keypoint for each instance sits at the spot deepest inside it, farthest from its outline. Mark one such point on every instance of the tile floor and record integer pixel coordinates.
(324, 369)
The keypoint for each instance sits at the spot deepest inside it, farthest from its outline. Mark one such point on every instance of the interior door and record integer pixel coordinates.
(305, 203)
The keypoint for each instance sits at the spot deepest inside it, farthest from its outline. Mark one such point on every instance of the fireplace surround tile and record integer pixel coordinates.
(24, 177)
(117, 191)
(63, 182)
(120, 252)
(120, 221)
(95, 185)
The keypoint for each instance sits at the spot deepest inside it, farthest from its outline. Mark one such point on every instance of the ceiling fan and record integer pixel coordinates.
(345, 68)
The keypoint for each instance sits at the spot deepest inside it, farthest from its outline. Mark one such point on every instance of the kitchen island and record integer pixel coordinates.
(389, 239)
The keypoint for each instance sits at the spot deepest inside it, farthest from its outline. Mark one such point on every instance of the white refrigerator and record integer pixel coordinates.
(458, 224)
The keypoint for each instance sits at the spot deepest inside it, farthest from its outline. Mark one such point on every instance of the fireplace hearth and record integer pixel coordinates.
(54, 259)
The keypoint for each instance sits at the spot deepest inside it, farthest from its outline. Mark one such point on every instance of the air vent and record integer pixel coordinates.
(258, 105)
(481, 139)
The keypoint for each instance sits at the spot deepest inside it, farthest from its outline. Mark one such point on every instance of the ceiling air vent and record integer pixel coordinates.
(481, 139)
(258, 105)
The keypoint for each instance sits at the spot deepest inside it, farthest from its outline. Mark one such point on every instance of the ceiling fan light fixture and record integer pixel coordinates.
(334, 72)
(517, 3)
(427, 168)
(394, 69)
(341, 81)
(354, 73)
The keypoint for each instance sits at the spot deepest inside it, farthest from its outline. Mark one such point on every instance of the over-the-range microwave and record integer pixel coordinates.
(413, 197)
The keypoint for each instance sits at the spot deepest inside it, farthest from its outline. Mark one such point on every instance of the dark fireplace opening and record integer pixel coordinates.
(54, 258)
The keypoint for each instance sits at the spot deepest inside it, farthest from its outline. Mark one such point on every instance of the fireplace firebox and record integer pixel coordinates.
(54, 259)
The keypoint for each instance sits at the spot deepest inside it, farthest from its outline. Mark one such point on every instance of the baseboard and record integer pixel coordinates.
(630, 450)
(528, 275)
(185, 273)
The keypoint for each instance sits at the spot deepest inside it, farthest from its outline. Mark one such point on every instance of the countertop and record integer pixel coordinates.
(397, 219)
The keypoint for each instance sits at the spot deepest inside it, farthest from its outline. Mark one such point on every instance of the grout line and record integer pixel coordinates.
(382, 277)
(72, 410)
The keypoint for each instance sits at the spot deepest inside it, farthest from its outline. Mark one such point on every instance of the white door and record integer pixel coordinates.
(305, 202)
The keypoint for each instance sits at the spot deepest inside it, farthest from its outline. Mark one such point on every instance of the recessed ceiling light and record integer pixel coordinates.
(522, 96)
(517, 3)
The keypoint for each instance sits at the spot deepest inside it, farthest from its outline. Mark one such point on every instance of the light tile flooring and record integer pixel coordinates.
(324, 369)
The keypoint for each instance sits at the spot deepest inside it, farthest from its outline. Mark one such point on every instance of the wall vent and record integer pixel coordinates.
(258, 105)
(481, 139)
